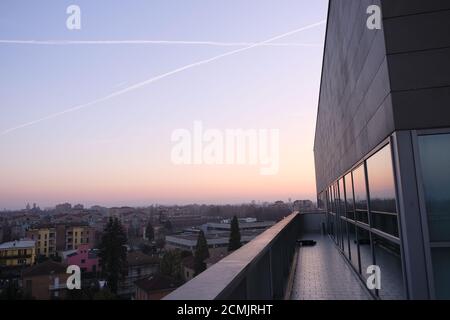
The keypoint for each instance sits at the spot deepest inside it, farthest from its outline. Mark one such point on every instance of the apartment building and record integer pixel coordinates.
(51, 239)
(17, 253)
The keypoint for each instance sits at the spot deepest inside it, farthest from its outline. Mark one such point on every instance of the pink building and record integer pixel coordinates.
(85, 258)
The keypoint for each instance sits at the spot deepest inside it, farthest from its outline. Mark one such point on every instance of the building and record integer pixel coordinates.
(217, 240)
(52, 239)
(154, 288)
(188, 265)
(45, 281)
(78, 234)
(17, 253)
(139, 266)
(382, 143)
(63, 207)
(217, 235)
(84, 257)
(244, 224)
(45, 238)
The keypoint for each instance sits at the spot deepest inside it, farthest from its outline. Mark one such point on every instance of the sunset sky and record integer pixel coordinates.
(117, 151)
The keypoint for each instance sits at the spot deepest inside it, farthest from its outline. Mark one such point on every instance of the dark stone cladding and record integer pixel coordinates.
(375, 82)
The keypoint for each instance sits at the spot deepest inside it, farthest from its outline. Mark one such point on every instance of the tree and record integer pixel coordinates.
(160, 244)
(149, 232)
(171, 264)
(113, 253)
(168, 226)
(201, 254)
(235, 235)
(12, 291)
(104, 294)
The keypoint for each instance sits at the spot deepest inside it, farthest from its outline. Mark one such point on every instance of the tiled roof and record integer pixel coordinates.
(45, 268)
(157, 282)
(137, 258)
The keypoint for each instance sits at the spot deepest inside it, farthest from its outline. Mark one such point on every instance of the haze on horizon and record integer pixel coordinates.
(116, 151)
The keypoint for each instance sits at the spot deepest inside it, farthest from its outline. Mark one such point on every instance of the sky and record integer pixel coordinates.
(90, 122)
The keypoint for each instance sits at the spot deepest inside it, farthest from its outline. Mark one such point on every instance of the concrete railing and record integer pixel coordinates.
(258, 270)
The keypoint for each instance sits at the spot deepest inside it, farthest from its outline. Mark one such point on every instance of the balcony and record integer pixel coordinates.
(272, 266)
(258, 270)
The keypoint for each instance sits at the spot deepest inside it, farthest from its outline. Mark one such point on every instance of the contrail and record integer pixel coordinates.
(159, 77)
(161, 42)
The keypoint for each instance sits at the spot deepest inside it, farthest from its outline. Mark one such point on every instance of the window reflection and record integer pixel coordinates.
(435, 161)
(349, 196)
(434, 153)
(362, 242)
(359, 185)
(388, 258)
(380, 176)
(365, 250)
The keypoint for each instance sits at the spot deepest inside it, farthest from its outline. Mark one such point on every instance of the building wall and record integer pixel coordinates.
(17, 257)
(355, 109)
(134, 273)
(82, 260)
(375, 82)
(418, 53)
(39, 286)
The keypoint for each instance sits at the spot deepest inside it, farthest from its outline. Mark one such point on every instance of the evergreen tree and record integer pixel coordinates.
(113, 253)
(171, 264)
(235, 235)
(149, 232)
(168, 225)
(201, 254)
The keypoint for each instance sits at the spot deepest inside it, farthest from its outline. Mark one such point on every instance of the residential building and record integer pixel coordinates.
(45, 281)
(188, 268)
(85, 257)
(52, 239)
(45, 238)
(154, 288)
(382, 143)
(17, 253)
(77, 235)
(139, 266)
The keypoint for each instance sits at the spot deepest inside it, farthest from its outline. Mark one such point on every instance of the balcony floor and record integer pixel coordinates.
(323, 274)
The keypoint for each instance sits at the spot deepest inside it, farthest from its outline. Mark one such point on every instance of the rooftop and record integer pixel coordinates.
(156, 283)
(137, 258)
(18, 244)
(45, 268)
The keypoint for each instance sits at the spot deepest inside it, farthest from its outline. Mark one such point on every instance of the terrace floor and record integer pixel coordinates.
(323, 274)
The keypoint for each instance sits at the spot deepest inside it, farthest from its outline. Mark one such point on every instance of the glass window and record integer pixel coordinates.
(365, 250)
(353, 246)
(434, 153)
(441, 267)
(320, 201)
(380, 176)
(359, 185)
(435, 161)
(349, 196)
(388, 258)
(342, 222)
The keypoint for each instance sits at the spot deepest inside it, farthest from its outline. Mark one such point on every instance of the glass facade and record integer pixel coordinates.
(359, 186)
(363, 204)
(434, 151)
